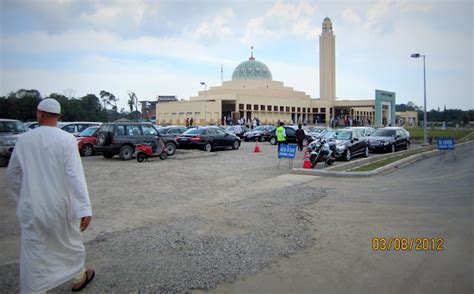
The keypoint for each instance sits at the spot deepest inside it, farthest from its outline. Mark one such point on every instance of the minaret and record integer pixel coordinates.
(327, 62)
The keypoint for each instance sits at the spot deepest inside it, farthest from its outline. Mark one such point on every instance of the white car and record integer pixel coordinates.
(77, 127)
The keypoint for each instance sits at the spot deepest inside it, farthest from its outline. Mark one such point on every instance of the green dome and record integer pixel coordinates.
(251, 70)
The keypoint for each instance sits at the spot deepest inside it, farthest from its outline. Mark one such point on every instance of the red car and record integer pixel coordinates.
(86, 141)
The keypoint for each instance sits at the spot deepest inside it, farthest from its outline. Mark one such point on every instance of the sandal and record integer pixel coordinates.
(90, 274)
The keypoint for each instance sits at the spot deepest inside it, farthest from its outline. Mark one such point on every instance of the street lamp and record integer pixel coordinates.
(425, 132)
(205, 101)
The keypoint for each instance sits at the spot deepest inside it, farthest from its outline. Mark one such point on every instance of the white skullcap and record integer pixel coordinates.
(50, 105)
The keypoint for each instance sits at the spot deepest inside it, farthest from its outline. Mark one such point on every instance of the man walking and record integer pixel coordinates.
(281, 135)
(53, 205)
(300, 135)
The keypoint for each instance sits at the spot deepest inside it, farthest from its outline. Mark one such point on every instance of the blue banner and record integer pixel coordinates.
(287, 151)
(445, 144)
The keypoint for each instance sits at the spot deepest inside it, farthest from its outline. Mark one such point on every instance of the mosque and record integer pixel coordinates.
(252, 92)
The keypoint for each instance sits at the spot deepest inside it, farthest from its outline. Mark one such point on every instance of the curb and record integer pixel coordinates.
(381, 170)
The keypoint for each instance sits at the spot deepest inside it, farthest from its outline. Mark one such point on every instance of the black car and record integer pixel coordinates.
(260, 133)
(350, 143)
(290, 132)
(120, 138)
(388, 139)
(208, 138)
(171, 131)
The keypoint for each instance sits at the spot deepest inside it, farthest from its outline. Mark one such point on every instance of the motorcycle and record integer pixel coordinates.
(321, 150)
(144, 150)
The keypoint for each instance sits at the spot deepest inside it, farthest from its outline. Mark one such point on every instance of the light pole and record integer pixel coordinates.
(205, 101)
(425, 122)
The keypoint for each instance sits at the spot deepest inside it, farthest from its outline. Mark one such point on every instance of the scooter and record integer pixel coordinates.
(144, 150)
(320, 151)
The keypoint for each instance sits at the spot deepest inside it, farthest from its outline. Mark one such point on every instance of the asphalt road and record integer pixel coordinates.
(430, 199)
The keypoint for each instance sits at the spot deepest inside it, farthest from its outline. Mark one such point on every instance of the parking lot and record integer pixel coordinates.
(192, 221)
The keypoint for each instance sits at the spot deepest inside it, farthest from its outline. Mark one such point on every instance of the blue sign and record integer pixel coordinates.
(287, 151)
(445, 144)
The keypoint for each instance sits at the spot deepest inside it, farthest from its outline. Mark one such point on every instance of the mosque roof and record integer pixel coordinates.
(252, 70)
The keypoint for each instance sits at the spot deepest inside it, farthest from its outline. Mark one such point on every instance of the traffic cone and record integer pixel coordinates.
(257, 148)
(306, 162)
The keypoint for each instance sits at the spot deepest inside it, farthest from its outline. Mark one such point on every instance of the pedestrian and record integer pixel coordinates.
(53, 205)
(300, 135)
(254, 123)
(191, 120)
(281, 135)
(187, 122)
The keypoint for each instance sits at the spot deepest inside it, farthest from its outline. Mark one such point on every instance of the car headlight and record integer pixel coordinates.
(8, 142)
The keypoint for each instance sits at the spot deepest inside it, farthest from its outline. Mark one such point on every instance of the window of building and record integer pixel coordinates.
(269, 108)
(323, 110)
(255, 107)
(249, 106)
(262, 107)
(330, 110)
(241, 106)
(275, 108)
(315, 110)
(299, 109)
(282, 108)
(304, 109)
(293, 109)
(287, 109)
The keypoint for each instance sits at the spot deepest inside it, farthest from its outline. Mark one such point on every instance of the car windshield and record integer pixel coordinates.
(194, 132)
(260, 129)
(12, 127)
(329, 134)
(343, 135)
(384, 133)
(88, 132)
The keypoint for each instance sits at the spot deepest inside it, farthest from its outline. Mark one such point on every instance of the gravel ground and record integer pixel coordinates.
(176, 225)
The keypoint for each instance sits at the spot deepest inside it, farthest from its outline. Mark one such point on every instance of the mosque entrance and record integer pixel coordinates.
(229, 115)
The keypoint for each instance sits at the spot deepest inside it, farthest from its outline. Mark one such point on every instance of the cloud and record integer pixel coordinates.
(281, 20)
(217, 28)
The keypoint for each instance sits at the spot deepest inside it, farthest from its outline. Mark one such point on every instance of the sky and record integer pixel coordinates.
(168, 47)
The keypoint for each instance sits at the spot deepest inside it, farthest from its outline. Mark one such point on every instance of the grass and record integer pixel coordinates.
(417, 133)
(379, 163)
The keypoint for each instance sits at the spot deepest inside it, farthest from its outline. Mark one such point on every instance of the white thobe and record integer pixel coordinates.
(48, 183)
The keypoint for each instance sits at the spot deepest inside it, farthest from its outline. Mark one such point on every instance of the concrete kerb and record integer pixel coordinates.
(381, 170)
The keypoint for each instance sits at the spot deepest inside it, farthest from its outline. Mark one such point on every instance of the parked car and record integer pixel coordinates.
(171, 131)
(87, 140)
(388, 139)
(260, 133)
(120, 138)
(10, 131)
(366, 131)
(290, 136)
(317, 132)
(350, 143)
(239, 131)
(208, 138)
(76, 127)
(31, 125)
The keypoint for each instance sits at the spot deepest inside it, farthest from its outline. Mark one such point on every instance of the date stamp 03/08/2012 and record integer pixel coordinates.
(407, 244)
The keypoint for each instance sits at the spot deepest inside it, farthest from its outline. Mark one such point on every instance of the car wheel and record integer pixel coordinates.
(170, 148)
(208, 147)
(393, 148)
(108, 155)
(141, 157)
(103, 139)
(347, 155)
(366, 152)
(273, 140)
(236, 145)
(87, 150)
(126, 153)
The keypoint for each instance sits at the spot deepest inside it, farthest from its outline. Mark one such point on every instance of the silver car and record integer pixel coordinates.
(10, 131)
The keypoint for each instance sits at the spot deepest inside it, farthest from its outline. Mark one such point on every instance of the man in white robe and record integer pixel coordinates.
(48, 183)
